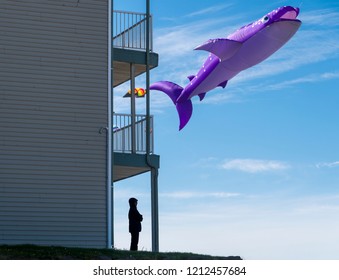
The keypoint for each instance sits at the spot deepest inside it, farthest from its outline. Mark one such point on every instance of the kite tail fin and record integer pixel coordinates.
(185, 110)
(173, 90)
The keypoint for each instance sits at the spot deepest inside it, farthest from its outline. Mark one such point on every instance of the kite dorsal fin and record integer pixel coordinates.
(191, 77)
(222, 48)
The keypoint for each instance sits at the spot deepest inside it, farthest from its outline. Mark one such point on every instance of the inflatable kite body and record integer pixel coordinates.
(246, 47)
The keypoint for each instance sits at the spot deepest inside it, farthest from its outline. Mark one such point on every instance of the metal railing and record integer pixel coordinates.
(122, 134)
(129, 30)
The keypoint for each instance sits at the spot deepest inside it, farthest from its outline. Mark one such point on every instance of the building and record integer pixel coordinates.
(59, 154)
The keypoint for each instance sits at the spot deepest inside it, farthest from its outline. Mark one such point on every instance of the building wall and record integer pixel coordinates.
(53, 101)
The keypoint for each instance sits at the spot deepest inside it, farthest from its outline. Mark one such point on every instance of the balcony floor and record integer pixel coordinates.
(129, 165)
(122, 58)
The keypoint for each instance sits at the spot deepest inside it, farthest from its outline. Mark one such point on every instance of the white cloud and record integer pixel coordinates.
(254, 165)
(222, 96)
(212, 9)
(329, 75)
(205, 162)
(192, 194)
(328, 164)
(175, 42)
(323, 17)
(313, 78)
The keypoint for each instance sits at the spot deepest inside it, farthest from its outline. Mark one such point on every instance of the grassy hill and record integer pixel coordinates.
(33, 252)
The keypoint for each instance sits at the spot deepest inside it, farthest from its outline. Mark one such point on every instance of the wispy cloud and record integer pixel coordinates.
(192, 194)
(178, 40)
(206, 12)
(323, 17)
(328, 164)
(221, 97)
(205, 162)
(209, 10)
(254, 165)
(313, 78)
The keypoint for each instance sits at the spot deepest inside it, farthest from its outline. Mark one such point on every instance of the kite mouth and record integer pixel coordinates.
(290, 14)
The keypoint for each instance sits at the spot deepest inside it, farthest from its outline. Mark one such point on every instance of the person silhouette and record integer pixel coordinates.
(135, 219)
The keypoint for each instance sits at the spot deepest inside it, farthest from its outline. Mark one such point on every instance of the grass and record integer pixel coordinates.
(33, 252)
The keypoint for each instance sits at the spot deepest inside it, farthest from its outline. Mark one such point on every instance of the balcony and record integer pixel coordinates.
(130, 58)
(129, 31)
(132, 140)
(129, 45)
(129, 146)
(129, 137)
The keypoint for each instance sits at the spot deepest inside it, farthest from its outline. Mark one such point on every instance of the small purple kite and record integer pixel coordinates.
(246, 47)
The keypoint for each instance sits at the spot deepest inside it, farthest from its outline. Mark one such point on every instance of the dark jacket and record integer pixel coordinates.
(135, 219)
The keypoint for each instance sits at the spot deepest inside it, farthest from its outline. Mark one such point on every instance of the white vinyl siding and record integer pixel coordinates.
(53, 102)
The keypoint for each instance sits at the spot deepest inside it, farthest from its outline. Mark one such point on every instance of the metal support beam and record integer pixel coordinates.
(109, 175)
(133, 134)
(154, 169)
(155, 210)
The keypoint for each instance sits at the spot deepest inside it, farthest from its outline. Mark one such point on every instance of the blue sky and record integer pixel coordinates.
(255, 172)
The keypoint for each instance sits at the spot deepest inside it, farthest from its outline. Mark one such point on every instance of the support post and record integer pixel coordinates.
(133, 133)
(109, 131)
(155, 210)
(154, 169)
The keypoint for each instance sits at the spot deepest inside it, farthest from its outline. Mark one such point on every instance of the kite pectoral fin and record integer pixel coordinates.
(222, 48)
(223, 84)
(202, 96)
(185, 110)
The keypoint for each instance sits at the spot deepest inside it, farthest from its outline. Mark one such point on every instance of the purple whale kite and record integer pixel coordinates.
(228, 56)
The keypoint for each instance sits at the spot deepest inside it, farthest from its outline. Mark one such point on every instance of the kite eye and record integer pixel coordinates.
(265, 19)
